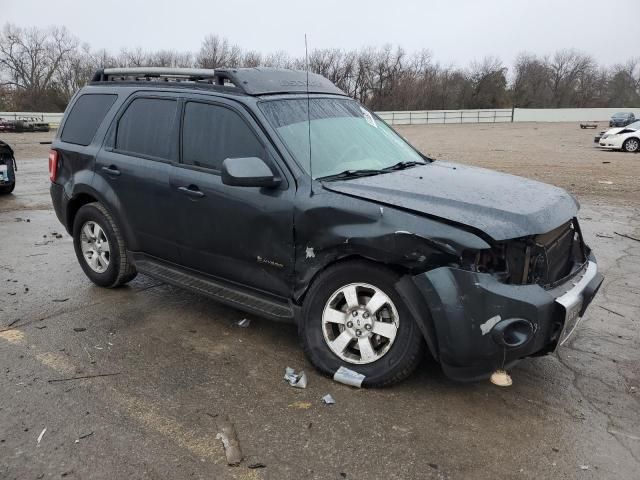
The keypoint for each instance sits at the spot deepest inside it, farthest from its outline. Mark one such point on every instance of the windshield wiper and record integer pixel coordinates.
(363, 172)
(402, 165)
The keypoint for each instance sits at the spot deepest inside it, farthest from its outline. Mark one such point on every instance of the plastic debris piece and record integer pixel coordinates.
(348, 377)
(501, 378)
(328, 399)
(296, 380)
(584, 467)
(301, 405)
(244, 323)
(229, 439)
(41, 435)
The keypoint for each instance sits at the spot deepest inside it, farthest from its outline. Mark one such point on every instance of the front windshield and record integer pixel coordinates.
(620, 115)
(344, 136)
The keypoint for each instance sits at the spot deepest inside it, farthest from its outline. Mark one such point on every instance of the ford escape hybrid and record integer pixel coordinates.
(282, 196)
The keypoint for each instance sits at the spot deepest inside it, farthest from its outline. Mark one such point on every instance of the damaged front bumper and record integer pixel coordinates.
(481, 324)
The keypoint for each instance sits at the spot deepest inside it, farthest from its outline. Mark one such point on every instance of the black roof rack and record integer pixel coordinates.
(252, 81)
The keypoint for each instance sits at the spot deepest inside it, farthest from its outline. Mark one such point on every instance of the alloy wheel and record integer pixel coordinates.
(632, 145)
(359, 323)
(95, 247)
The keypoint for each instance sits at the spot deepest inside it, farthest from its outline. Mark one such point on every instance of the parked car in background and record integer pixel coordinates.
(622, 119)
(24, 124)
(625, 138)
(33, 124)
(8, 169)
(7, 125)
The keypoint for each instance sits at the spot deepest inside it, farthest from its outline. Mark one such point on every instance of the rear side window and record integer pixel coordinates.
(148, 128)
(211, 133)
(85, 117)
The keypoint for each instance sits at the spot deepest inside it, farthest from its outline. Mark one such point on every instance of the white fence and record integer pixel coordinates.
(422, 117)
(502, 115)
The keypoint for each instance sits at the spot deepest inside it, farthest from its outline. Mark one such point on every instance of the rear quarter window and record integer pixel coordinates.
(85, 117)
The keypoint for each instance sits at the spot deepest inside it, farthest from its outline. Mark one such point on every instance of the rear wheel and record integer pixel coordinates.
(100, 247)
(631, 145)
(354, 317)
(5, 189)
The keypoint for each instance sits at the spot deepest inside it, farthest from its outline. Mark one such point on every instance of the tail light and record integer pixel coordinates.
(53, 165)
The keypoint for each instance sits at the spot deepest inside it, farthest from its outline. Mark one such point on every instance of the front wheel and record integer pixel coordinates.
(631, 145)
(354, 317)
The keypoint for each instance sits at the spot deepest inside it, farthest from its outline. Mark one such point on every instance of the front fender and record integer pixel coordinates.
(330, 227)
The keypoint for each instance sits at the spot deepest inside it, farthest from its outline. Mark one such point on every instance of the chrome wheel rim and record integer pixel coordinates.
(632, 145)
(95, 247)
(360, 323)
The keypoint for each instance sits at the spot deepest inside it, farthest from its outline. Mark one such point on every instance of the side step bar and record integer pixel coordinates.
(224, 292)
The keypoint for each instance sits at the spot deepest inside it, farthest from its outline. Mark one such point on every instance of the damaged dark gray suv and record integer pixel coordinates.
(278, 194)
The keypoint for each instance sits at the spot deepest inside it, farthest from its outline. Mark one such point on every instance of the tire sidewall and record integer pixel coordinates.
(7, 189)
(408, 338)
(87, 213)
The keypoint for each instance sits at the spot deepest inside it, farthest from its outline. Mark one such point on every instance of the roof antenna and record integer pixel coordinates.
(306, 62)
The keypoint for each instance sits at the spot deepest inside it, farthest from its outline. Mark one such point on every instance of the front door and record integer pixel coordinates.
(241, 234)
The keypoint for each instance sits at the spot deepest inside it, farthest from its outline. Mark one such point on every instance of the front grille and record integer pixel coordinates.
(546, 259)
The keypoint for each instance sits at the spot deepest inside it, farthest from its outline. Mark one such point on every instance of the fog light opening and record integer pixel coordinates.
(513, 332)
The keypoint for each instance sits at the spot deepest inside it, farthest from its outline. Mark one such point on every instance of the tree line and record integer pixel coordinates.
(41, 68)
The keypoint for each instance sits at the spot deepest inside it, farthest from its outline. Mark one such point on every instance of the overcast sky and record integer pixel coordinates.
(455, 31)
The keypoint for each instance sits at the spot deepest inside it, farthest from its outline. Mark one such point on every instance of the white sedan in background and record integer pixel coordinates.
(623, 138)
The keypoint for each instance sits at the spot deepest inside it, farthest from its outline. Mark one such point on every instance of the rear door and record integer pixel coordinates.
(135, 166)
(242, 234)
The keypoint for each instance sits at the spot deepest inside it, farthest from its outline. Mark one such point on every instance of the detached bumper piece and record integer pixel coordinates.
(482, 324)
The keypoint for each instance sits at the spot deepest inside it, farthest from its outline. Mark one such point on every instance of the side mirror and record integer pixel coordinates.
(248, 172)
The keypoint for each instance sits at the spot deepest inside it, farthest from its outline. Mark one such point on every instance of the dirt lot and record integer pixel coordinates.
(176, 362)
(559, 153)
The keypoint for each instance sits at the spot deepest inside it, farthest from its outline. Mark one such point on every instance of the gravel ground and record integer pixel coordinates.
(176, 363)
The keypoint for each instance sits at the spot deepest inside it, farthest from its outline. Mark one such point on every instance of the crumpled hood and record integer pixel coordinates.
(613, 131)
(501, 205)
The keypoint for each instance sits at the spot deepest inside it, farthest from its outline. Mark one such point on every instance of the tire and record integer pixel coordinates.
(112, 267)
(402, 355)
(631, 145)
(6, 189)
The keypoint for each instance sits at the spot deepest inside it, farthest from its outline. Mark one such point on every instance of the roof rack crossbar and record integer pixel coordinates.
(182, 73)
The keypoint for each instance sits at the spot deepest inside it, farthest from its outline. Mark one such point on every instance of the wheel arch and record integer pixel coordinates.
(404, 285)
(86, 194)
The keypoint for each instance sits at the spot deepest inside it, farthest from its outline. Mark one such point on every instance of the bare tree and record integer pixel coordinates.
(42, 68)
(31, 58)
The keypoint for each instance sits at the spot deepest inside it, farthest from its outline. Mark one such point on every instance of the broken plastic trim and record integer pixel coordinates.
(348, 377)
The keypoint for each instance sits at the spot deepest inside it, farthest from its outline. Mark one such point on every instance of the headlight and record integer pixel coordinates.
(604, 136)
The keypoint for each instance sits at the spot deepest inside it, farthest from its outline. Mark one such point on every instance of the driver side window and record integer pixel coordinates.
(212, 133)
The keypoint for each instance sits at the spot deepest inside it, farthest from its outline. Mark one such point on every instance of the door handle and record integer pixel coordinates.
(191, 191)
(111, 170)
